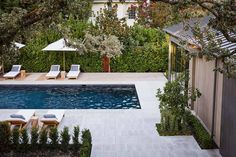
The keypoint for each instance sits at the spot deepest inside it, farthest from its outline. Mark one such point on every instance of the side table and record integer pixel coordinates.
(22, 74)
(34, 121)
(63, 74)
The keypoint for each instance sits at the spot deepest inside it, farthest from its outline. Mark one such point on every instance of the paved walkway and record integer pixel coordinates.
(123, 133)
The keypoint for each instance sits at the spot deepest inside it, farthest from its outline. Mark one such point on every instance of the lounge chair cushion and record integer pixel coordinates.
(59, 114)
(52, 74)
(73, 74)
(54, 68)
(49, 116)
(15, 69)
(11, 74)
(74, 68)
(17, 116)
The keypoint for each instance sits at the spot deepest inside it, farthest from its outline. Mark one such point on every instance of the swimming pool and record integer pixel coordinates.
(68, 97)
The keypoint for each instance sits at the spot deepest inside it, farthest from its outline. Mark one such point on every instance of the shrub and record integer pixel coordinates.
(43, 139)
(54, 137)
(34, 137)
(86, 146)
(65, 139)
(171, 126)
(5, 135)
(146, 50)
(200, 133)
(24, 139)
(194, 127)
(15, 138)
(173, 103)
(148, 58)
(18, 141)
(33, 59)
(75, 139)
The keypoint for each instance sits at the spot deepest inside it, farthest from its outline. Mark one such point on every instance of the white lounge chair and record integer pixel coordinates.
(15, 70)
(21, 118)
(53, 117)
(54, 72)
(74, 71)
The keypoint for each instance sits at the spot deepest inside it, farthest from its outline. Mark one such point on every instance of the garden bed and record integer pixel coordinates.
(194, 128)
(44, 142)
(172, 133)
(40, 154)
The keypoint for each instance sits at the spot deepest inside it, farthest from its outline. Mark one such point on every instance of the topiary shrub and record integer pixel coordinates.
(54, 138)
(34, 138)
(24, 139)
(65, 139)
(43, 139)
(15, 136)
(19, 143)
(75, 138)
(5, 135)
(86, 146)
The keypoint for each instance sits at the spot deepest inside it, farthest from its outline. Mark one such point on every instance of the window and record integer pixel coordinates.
(179, 62)
(109, 6)
(132, 13)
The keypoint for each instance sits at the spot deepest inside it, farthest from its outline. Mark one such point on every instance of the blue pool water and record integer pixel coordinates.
(68, 97)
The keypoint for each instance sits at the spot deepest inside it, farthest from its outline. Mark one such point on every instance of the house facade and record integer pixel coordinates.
(123, 9)
(216, 108)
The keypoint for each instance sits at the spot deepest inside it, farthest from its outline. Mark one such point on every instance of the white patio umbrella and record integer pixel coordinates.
(60, 46)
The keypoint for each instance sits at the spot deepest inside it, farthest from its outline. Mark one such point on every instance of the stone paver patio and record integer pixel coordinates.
(123, 133)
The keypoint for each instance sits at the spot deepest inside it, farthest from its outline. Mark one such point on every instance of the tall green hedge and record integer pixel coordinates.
(149, 58)
(145, 50)
(33, 59)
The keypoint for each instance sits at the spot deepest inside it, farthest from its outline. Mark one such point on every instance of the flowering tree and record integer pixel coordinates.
(104, 37)
(108, 23)
(108, 46)
(159, 14)
(153, 14)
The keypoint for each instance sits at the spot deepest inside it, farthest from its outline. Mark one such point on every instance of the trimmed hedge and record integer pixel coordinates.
(44, 143)
(149, 58)
(146, 50)
(200, 133)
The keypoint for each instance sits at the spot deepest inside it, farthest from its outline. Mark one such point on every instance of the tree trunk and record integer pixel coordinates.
(106, 64)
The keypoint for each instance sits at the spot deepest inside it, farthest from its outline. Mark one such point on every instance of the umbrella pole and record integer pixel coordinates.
(64, 61)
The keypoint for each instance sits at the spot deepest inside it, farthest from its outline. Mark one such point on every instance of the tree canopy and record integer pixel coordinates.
(224, 21)
(18, 17)
(160, 14)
